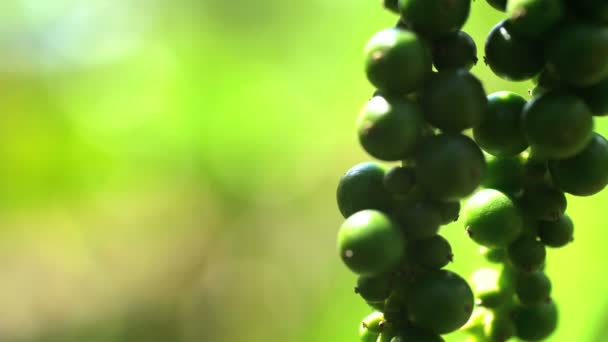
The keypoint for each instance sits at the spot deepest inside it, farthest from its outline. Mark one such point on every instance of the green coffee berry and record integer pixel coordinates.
(532, 287)
(492, 219)
(399, 181)
(500, 132)
(370, 243)
(435, 17)
(397, 61)
(535, 322)
(542, 202)
(449, 211)
(389, 128)
(578, 53)
(512, 56)
(558, 233)
(454, 100)
(534, 17)
(456, 153)
(557, 124)
(419, 220)
(374, 288)
(454, 51)
(432, 253)
(440, 302)
(361, 188)
(526, 253)
(585, 173)
(506, 174)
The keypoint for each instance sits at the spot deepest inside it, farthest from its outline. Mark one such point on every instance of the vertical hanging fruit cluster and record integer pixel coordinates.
(533, 152)
(538, 151)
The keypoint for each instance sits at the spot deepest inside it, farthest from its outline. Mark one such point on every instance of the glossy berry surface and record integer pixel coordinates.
(557, 124)
(500, 132)
(389, 128)
(369, 243)
(454, 51)
(435, 17)
(419, 220)
(456, 153)
(362, 187)
(454, 100)
(535, 322)
(492, 219)
(544, 203)
(374, 288)
(440, 302)
(526, 253)
(532, 287)
(558, 233)
(586, 173)
(506, 174)
(432, 253)
(397, 61)
(512, 56)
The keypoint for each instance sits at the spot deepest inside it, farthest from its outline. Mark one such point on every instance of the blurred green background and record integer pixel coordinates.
(168, 173)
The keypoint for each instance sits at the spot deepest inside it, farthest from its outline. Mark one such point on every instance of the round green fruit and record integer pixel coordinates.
(455, 153)
(449, 211)
(494, 255)
(375, 288)
(578, 54)
(544, 203)
(506, 174)
(399, 181)
(362, 187)
(369, 243)
(397, 61)
(526, 253)
(492, 219)
(435, 17)
(454, 51)
(500, 132)
(558, 233)
(534, 17)
(367, 336)
(535, 322)
(432, 253)
(512, 56)
(373, 322)
(454, 100)
(557, 124)
(419, 220)
(532, 287)
(586, 173)
(390, 128)
(440, 302)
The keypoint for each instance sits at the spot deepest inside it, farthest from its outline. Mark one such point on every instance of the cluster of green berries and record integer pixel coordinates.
(537, 151)
(524, 154)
